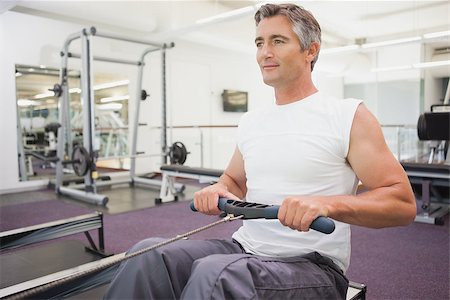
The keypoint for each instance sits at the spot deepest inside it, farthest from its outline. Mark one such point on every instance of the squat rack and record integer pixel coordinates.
(65, 143)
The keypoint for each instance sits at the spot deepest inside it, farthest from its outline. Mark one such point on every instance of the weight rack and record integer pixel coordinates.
(65, 147)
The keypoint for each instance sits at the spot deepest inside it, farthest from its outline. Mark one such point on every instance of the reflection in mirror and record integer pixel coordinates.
(38, 123)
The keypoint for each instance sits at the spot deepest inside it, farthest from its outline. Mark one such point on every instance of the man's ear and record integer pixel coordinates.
(312, 51)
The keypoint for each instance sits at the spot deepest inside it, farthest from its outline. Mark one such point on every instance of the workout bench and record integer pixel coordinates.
(170, 172)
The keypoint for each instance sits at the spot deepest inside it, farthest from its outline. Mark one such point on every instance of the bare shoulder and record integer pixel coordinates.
(369, 155)
(365, 123)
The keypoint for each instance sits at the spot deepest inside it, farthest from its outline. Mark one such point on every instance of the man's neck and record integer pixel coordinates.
(290, 94)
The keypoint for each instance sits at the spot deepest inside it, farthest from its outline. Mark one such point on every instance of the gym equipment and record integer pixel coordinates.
(87, 167)
(250, 210)
(100, 272)
(81, 160)
(178, 153)
(23, 173)
(43, 232)
(144, 95)
(64, 137)
(16, 238)
(431, 126)
(57, 89)
(356, 291)
(95, 273)
(168, 191)
(432, 180)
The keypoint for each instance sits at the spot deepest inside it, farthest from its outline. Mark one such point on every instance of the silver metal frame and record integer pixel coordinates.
(20, 149)
(154, 183)
(108, 59)
(64, 137)
(88, 104)
(137, 107)
(169, 185)
(163, 108)
(434, 213)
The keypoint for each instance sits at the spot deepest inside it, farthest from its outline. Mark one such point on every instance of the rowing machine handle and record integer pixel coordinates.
(257, 211)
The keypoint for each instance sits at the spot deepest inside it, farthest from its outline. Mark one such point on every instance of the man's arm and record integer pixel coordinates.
(389, 200)
(232, 185)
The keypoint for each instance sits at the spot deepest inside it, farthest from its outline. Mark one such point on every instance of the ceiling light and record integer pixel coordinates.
(26, 102)
(44, 95)
(433, 35)
(114, 98)
(391, 42)
(432, 64)
(423, 65)
(226, 15)
(357, 46)
(339, 49)
(109, 85)
(52, 94)
(110, 106)
(396, 68)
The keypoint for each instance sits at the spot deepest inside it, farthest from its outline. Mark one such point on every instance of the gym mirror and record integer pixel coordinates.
(37, 117)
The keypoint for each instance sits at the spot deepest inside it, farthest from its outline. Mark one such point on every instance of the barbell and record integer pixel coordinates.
(82, 161)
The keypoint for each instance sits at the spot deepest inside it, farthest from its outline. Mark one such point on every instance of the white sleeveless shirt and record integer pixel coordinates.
(297, 149)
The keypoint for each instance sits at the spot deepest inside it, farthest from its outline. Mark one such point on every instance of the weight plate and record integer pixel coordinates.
(178, 153)
(82, 161)
(57, 89)
(422, 128)
(144, 94)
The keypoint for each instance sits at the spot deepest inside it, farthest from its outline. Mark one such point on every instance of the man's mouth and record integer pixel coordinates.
(269, 66)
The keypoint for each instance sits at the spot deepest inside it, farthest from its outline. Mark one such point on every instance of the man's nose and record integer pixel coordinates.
(266, 51)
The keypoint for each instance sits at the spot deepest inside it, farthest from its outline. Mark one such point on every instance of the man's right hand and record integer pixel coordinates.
(206, 200)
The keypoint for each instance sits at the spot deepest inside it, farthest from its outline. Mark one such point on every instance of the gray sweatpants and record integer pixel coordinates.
(220, 269)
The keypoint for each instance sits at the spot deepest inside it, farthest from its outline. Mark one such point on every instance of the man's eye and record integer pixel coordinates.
(277, 42)
(259, 44)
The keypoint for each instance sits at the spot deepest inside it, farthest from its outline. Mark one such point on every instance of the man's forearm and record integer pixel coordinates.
(378, 208)
(232, 186)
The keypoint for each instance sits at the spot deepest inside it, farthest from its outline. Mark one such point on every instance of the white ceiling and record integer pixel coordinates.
(342, 22)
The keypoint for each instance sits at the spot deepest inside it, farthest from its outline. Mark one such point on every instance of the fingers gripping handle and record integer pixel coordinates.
(256, 211)
(321, 224)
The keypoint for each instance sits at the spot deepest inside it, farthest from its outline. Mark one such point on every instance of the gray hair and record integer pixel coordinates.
(303, 23)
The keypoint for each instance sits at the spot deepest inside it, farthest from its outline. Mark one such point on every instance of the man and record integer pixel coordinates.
(306, 153)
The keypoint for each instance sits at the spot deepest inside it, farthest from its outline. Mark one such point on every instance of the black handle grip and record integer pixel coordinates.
(257, 211)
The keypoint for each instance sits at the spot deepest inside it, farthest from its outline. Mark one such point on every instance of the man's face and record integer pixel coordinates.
(279, 55)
